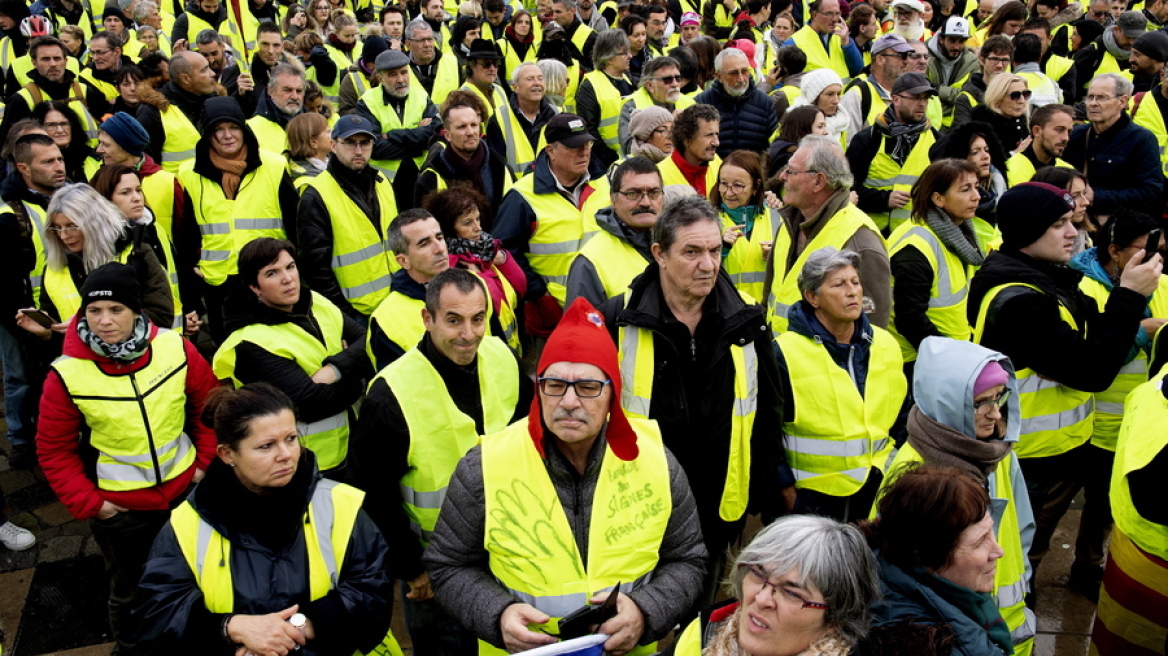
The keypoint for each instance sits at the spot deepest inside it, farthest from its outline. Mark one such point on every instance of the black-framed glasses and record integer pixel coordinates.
(983, 407)
(585, 388)
(633, 195)
(762, 578)
(1019, 95)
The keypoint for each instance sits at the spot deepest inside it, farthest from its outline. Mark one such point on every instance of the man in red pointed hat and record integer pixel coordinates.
(554, 511)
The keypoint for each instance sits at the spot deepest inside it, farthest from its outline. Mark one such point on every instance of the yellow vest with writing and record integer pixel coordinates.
(532, 550)
(887, 175)
(328, 527)
(388, 118)
(440, 434)
(361, 261)
(745, 263)
(1055, 418)
(329, 437)
(951, 276)
(838, 436)
(226, 225)
(784, 291)
(1141, 438)
(817, 57)
(136, 419)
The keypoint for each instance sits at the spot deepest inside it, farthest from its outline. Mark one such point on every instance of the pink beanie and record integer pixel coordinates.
(992, 375)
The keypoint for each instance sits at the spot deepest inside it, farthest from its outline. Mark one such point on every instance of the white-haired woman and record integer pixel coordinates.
(802, 586)
(83, 232)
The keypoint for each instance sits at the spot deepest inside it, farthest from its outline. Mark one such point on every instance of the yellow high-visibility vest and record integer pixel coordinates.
(610, 101)
(1020, 169)
(615, 260)
(520, 154)
(1141, 438)
(400, 318)
(819, 57)
(886, 174)
(1148, 115)
(388, 118)
(745, 263)
(158, 190)
(446, 79)
(269, 133)
(181, 139)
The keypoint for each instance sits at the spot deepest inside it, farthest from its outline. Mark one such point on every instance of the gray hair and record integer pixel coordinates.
(143, 9)
(826, 157)
(1123, 86)
(555, 76)
(833, 557)
(207, 37)
(101, 223)
(726, 53)
(821, 264)
(568, 4)
(413, 26)
(609, 44)
(683, 212)
(280, 70)
(649, 71)
(515, 73)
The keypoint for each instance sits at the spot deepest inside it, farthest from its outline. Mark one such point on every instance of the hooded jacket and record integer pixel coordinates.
(1025, 325)
(748, 121)
(945, 73)
(269, 567)
(582, 277)
(1087, 262)
(68, 461)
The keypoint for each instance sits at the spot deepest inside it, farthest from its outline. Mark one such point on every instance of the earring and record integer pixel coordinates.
(231, 464)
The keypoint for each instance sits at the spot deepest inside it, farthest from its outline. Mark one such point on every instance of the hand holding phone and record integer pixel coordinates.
(581, 621)
(1153, 245)
(40, 316)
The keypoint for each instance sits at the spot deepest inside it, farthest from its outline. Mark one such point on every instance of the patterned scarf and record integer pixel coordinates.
(484, 248)
(125, 351)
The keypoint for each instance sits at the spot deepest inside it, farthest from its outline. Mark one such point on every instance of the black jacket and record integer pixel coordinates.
(437, 165)
(693, 394)
(1025, 325)
(269, 567)
(1010, 131)
(17, 108)
(747, 122)
(1123, 164)
(379, 448)
(17, 252)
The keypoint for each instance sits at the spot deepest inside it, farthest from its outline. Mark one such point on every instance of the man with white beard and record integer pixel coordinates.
(909, 23)
(748, 115)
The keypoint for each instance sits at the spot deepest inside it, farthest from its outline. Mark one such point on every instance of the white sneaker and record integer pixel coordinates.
(16, 538)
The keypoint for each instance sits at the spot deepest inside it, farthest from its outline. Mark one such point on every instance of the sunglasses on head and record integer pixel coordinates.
(1018, 95)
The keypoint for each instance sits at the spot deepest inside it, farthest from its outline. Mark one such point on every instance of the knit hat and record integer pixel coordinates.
(690, 18)
(218, 109)
(816, 81)
(1153, 45)
(127, 132)
(642, 122)
(116, 13)
(112, 282)
(1026, 211)
(581, 336)
(992, 375)
(374, 46)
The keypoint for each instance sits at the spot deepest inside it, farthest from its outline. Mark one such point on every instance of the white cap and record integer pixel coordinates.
(915, 5)
(955, 26)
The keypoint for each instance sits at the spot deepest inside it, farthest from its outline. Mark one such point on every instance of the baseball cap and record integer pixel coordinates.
(568, 129)
(955, 26)
(912, 84)
(1133, 24)
(894, 41)
(352, 124)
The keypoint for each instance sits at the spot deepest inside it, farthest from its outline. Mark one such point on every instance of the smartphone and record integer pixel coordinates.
(41, 317)
(580, 621)
(1153, 245)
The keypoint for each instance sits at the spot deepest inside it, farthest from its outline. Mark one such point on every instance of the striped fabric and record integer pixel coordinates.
(1132, 617)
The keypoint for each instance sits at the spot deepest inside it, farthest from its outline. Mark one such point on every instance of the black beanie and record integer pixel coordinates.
(1026, 211)
(112, 282)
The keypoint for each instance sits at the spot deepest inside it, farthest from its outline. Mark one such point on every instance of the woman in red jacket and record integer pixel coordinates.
(120, 437)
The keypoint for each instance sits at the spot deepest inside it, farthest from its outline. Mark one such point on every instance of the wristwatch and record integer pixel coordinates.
(298, 620)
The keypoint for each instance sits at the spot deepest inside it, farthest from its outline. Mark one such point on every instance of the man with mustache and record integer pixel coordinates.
(421, 415)
(280, 101)
(343, 219)
(519, 543)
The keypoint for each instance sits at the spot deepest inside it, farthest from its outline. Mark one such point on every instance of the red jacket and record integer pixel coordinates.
(61, 422)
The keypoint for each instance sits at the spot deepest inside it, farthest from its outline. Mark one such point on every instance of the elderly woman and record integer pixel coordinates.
(803, 585)
(937, 557)
(556, 82)
(823, 88)
(797, 123)
(967, 415)
(747, 230)
(846, 386)
(266, 556)
(601, 94)
(1007, 111)
(115, 362)
(282, 334)
(84, 232)
(651, 132)
(310, 141)
(934, 256)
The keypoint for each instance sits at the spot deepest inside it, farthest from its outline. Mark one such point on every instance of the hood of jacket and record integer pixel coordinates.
(803, 321)
(943, 380)
(608, 221)
(217, 110)
(1088, 263)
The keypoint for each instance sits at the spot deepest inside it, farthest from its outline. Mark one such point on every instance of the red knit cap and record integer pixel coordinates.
(581, 336)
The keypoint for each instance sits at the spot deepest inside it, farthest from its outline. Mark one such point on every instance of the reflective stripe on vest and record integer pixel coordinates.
(1141, 438)
(886, 174)
(545, 569)
(329, 437)
(1055, 418)
(609, 100)
(498, 97)
(361, 260)
(637, 364)
(181, 139)
(819, 57)
(947, 296)
(37, 220)
(136, 419)
(784, 291)
(520, 154)
(745, 263)
(328, 521)
(440, 433)
(838, 436)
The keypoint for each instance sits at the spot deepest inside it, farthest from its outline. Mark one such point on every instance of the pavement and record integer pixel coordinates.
(1064, 618)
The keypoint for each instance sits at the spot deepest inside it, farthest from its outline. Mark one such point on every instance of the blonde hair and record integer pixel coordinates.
(470, 8)
(997, 89)
(101, 224)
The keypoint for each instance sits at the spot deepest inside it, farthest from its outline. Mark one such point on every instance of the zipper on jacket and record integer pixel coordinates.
(852, 365)
(149, 432)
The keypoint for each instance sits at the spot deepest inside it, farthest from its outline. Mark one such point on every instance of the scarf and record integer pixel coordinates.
(232, 170)
(470, 169)
(959, 239)
(904, 135)
(977, 606)
(694, 175)
(346, 48)
(646, 149)
(126, 351)
(725, 642)
(1113, 47)
(484, 248)
(944, 446)
(517, 40)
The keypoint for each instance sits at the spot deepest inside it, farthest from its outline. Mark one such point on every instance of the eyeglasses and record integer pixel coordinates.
(736, 187)
(789, 172)
(1099, 14)
(585, 388)
(59, 230)
(1100, 99)
(663, 132)
(668, 79)
(353, 145)
(99, 53)
(56, 127)
(760, 577)
(633, 195)
(425, 39)
(983, 407)
(999, 60)
(1019, 95)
